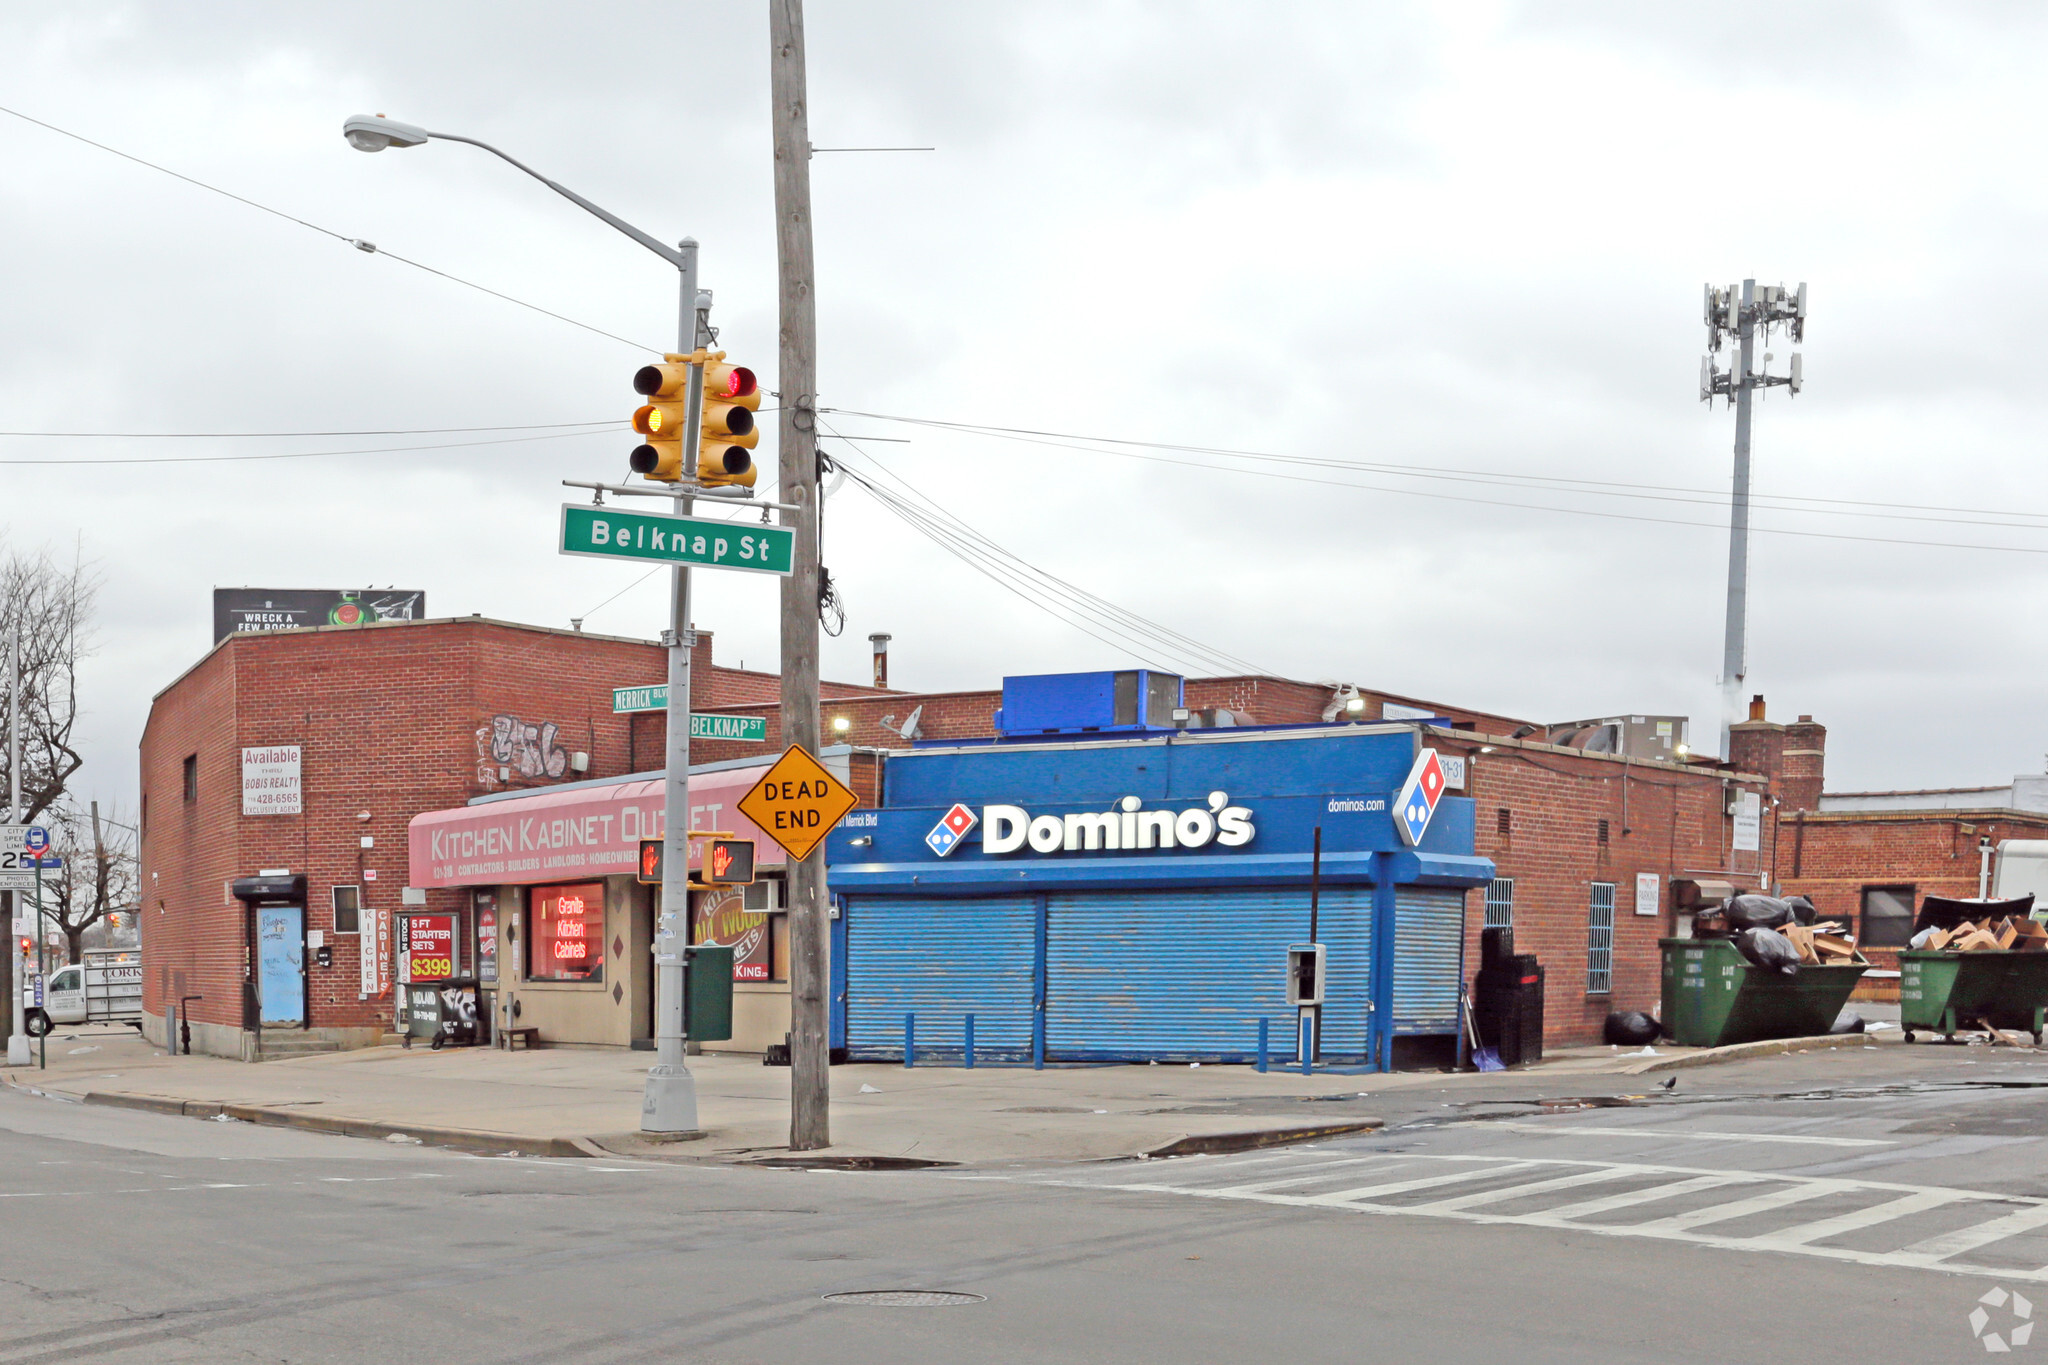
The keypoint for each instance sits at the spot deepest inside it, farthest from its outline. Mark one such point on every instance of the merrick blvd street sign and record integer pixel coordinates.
(796, 802)
(654, 697)
(610, 533)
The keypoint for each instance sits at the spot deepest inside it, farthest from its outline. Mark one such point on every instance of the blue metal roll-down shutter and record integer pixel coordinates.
(1186, 976)
(1429, 948)
(940, 960)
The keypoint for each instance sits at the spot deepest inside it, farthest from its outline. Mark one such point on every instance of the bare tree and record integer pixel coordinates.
(51, 606)
(99, 877)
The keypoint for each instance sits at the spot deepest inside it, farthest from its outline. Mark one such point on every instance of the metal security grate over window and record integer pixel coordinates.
(1500, 903)
(1600, 940)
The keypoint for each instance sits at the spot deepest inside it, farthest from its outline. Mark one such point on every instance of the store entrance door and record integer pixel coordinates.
(281, 963)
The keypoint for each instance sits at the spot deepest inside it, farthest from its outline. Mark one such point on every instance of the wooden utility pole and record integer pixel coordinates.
(810, 943)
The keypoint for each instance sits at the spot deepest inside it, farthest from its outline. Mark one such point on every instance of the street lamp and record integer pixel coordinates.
(669, 1103)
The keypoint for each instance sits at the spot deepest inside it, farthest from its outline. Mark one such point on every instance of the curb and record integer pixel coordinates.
(461, 1139)
(1736, 1052)
(1215, 1144)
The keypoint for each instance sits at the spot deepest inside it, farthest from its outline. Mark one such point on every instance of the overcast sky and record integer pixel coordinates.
(1462, 239)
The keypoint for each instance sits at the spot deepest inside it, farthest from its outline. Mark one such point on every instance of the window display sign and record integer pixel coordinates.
(487, 937)
(720, 918)
(428, 953)
(565, 938)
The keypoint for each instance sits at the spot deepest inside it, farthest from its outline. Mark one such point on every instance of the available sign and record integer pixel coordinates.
(270, 780)
(609, 533)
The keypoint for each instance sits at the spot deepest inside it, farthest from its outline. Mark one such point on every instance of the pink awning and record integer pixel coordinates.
(555, 836)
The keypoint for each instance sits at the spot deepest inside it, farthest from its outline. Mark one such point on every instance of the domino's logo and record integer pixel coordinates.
(1419, 796)
(947, 834)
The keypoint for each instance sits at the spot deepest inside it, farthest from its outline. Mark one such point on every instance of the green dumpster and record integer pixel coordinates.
(1713, 996)
(1942, 992)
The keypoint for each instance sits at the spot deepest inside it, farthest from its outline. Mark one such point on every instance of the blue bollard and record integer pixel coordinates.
(1262, 1043)
(909, 1041)
(968, 1051)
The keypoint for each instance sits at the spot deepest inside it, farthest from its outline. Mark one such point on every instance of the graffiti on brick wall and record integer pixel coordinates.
(506, 744)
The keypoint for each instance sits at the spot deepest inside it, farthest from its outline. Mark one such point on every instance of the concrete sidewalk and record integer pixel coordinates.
(586, 1101)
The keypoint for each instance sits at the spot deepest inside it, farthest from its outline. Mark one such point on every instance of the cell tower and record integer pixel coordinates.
(1736, 316)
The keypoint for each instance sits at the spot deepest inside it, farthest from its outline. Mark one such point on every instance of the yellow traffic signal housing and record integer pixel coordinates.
(731, 394)
(730, 397)
(661, 419)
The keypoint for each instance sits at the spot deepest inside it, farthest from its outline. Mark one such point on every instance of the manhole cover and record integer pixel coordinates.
(904, 1298)
(847, 1163)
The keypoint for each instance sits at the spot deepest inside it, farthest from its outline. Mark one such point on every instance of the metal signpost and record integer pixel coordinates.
(669, 1104)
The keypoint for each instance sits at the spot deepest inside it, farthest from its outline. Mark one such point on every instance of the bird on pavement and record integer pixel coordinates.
(1671, 1084)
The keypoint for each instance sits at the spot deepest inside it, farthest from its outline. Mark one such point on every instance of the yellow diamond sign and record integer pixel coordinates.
(796, 802)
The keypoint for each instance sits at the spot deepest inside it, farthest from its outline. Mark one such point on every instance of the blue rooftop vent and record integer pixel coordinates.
(1087, 703)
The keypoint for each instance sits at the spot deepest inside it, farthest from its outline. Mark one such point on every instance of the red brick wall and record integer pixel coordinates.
(1831, 857)
(1660, 819)
(395, 719)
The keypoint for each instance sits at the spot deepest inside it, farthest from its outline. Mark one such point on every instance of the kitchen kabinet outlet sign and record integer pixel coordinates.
(1125, 827)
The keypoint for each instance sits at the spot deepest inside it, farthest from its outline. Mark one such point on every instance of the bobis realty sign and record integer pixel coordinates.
(1125, 827)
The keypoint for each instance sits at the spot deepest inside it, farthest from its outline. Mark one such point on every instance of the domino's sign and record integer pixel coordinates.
(1419, 797)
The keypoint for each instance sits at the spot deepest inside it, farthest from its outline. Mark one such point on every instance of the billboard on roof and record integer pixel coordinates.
(300, 608)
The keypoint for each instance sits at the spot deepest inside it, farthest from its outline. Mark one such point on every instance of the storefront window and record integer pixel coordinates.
(565, 933)
(740, 918)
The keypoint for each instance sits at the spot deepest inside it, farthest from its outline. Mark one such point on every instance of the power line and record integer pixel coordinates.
(1064, 441)
(239, 435)
(1044, 590)
(356, 242)
(1713, 497)
(294, 455)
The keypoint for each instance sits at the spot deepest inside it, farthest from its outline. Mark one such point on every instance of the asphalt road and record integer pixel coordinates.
(1860, 1221)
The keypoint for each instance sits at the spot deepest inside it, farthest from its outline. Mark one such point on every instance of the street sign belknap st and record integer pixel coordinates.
(611, 533)
(654, 697)
(796, 802)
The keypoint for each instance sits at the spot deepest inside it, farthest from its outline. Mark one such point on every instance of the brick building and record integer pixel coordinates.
(388, 720)
(1869, 858)
(397, 720)
(1586, 847)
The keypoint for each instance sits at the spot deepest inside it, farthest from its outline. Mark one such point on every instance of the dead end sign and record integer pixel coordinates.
(797, 802)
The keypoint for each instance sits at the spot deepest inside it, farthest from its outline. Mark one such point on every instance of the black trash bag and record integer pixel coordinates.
(1849, 1021)
(1768, 948)
(1803, 911)
(1758, 912)
(1632, 1028)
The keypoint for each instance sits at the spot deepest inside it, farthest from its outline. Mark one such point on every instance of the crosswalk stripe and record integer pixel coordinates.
(1562, 1182)
(1824, 1228)
(1422, 1183)
(1319, 1170)
(1742, 1208)
(1982, 1234)
(1592, 1208)
(1801, 1139)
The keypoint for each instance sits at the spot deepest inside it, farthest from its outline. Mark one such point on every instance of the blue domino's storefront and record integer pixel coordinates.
(1134, 899)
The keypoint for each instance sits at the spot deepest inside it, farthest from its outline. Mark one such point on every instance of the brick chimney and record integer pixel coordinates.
(1757, 745)
(1805, 760)
(1792, 756)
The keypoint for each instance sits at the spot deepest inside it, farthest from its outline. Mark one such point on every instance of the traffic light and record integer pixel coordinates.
(650, 861)
(727, 434)
(728, 862)
(730, 397)
(661, 419)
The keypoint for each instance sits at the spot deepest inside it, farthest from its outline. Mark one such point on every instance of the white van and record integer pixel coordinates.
(105, 988)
